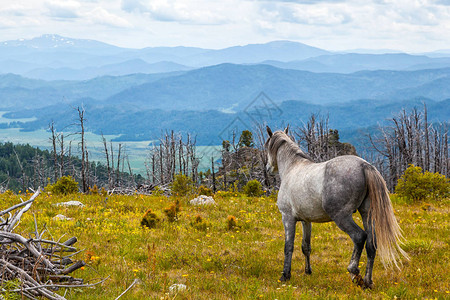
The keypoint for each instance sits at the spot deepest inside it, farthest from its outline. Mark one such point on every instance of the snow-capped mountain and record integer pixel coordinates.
(52, 41)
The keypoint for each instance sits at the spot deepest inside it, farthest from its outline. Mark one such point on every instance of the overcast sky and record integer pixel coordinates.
(408, 25)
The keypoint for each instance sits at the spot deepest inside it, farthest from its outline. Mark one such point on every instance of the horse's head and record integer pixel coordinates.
(271, 149)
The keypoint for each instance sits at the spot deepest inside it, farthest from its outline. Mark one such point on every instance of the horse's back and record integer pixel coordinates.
(313, 192)
(344, 184)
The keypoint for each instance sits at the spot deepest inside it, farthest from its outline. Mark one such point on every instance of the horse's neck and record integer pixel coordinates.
(286, 162)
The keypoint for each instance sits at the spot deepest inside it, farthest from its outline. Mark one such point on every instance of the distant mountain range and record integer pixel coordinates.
(225, 87)
(53, 57)
(137, 93)
(353, 62)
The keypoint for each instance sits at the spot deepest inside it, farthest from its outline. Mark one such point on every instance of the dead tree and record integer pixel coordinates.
(82, 120)
(321, 142)
(172, 155)
(108, 167)
(24, 174)
(411, 139)
(55, 160)
(61, 155)
(261, 137)
(40, 265)
(213, 171)
(118, 166)
(40, 170)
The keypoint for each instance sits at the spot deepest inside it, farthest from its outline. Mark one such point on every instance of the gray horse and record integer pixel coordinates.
(333, 191)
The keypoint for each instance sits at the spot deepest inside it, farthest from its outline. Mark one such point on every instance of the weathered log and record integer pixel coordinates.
(41, 265)
(17, 217)
(73, 267)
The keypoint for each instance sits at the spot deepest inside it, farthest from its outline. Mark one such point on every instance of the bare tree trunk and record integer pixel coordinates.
(427, 140)
(88, 178)
(153, 169)
(112, 164)
(107, 162)
(81, 120)
(131, 172)
(24, 175)
(161, 172)
(71, 166)
(61, 156)
(55, 160)
(213, 174)
(118, 167)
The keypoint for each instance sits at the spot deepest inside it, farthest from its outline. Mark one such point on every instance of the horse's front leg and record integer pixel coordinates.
(306, 245)
(289, 223)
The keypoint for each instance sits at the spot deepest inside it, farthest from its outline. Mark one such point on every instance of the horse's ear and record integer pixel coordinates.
(269, 131)
(287, 129)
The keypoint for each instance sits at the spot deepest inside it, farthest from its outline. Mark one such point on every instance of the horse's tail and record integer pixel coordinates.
(381, 216)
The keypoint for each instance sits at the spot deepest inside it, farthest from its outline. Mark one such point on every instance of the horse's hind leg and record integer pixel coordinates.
(306, 245)
(289, 223)
(370, 243)
(358, 236)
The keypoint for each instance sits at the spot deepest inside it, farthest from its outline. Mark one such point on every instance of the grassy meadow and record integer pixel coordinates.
(244, 262)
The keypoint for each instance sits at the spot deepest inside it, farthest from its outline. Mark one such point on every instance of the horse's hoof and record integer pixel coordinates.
(308, 271)
(358, 280)
(285, 277)
(368, 284)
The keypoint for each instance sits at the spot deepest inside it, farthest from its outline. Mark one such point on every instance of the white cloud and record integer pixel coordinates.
(304, 1)
(101, 16)
(305, 14)
(412, 25)
(63, 9)
(182, 11)
(442, 2)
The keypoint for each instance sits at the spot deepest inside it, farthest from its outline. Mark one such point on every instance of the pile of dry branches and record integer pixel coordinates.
(36, 265)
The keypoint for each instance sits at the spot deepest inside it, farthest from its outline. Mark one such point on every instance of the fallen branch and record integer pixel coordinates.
(17, 217)
(40, 265)
(131, 285)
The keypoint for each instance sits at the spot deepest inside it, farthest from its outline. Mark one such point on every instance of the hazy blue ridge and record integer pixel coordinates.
(20, 92)
(212, 126)
(53, 57)
(56, 57)
(353, 62)
(226, 85)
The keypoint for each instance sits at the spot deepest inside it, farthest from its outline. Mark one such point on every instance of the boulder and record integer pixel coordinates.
(60, 217)
(70, 203)
(202, 200)
(176, 288)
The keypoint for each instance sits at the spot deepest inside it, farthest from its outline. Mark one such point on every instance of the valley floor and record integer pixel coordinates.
(215, 262)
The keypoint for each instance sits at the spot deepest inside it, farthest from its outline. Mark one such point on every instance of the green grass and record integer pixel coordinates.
(243, 263)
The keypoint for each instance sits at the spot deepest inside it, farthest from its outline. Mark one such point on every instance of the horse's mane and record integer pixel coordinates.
(291, 151)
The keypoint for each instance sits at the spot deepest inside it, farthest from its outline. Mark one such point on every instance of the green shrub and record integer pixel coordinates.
(157, 191)
(172, 211)
(253, 188)
(64, 186)
(94, 190)
(199, 223)
(415, 185)
(103, 192)
(182, 185)
(150, 219)
(231, 222)
(203, 190)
